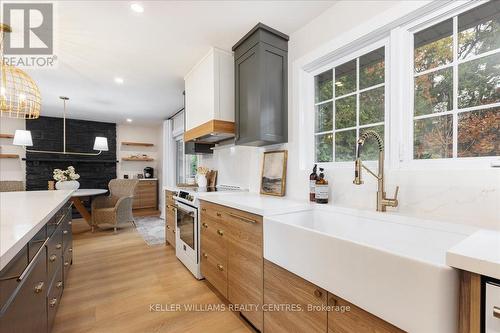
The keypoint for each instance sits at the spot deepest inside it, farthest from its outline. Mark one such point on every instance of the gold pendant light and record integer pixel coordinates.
(19, 94)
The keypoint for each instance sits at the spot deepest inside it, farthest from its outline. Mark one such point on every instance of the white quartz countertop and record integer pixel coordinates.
(479, 253)
(22, 215)
(255, 203)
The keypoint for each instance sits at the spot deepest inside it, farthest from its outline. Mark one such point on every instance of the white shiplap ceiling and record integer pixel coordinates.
(97, 41)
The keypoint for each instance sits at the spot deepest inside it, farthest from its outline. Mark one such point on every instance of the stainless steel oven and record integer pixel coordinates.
(187, 236)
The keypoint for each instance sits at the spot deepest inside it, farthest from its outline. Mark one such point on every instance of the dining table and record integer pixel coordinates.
(77, 196)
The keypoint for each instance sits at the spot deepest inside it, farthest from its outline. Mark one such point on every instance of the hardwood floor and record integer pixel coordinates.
(116, 277)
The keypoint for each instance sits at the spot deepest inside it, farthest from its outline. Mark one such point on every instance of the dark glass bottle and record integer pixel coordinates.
(312, 184)
(321, 188)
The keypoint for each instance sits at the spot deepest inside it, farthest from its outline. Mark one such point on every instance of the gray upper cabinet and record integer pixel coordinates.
(261, 106)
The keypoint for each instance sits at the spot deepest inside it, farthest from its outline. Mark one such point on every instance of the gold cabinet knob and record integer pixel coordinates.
(333, 301)
(66, 263)
(220, 267)
(205, 255)
(204, 225)
(39, 287)
(203, 209)
(318, 293)
(219, 214)
(65, 232)
(70, 249)
(220, 232)
(58, 246)
(53, 258)
(70, 222)
(59, 284)
(53, 302)
(168, 227)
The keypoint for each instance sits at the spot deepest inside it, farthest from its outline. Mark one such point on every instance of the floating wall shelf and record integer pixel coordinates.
(9, 156)
(6, 136)
(142, 159)
(141, 144)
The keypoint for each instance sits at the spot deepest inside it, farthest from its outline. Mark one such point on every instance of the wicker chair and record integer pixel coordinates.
(117, 207)
(11, 186)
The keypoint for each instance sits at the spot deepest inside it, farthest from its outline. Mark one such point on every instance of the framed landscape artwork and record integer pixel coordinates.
(273, 180)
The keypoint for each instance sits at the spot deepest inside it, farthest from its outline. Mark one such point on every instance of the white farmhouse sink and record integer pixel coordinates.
(389, 265)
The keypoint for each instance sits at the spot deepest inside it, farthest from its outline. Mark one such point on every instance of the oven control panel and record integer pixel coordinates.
(185, 195)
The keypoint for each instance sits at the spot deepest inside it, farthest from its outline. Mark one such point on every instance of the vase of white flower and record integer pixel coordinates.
(66, 179)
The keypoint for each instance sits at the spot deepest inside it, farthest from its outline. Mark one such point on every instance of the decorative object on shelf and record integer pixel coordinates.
(273, 180)
(201, 176)
(19, 94)
(138, 157)
(140, 176)
(66, 179)
(23, 138)
(125, 176)
(6, 136)
(51, 185)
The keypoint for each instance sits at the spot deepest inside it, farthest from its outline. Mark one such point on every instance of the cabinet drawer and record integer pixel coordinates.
(26, 310)
(213, 237)
(356, 320)
(55, 251)
(170, 235)
(67, 235)
(215, 271)
(36, 242)
(245, 262)
(211, 210)
(10, 273)
(54, 297)
(66, 263)
(284, 287)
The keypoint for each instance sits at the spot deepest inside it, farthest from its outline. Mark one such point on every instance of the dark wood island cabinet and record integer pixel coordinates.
(32, 283)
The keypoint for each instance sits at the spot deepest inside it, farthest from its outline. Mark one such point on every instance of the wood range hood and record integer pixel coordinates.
(212, 131)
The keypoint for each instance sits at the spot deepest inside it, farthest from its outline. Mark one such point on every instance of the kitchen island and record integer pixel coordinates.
(35, 256)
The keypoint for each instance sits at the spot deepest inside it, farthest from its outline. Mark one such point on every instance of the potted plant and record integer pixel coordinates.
(66, 179)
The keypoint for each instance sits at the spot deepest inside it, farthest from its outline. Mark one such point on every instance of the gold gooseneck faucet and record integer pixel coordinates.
(382, 200)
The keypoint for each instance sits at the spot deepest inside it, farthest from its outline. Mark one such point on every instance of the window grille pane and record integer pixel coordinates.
(324, 148)
(345, 78)
(433, 46)
(479, 81)
(371, 106)
(479, 30)
(434, 92)
(345, 112)
(372, 68)
(433, 137)
(345, 146)
(479, 133)
(323, 86)
(324, 117)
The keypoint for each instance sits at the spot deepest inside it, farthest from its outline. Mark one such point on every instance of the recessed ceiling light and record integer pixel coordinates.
(129, 120)
(118, 80)
(137, 7)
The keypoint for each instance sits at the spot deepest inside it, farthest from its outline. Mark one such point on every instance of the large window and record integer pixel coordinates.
(349, 99)
(456, 103)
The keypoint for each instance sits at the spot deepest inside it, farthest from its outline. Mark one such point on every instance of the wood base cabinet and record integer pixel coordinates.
(345, 317)
(170, 218)
(306, 302)
(232, 257)
(146, 194)
(315, 309)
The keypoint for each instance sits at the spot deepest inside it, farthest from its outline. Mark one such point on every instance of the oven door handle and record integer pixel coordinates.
(190, 213)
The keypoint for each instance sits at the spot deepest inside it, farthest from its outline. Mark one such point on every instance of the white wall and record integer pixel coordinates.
(465, 196)
(132, 133)
(11, 169)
